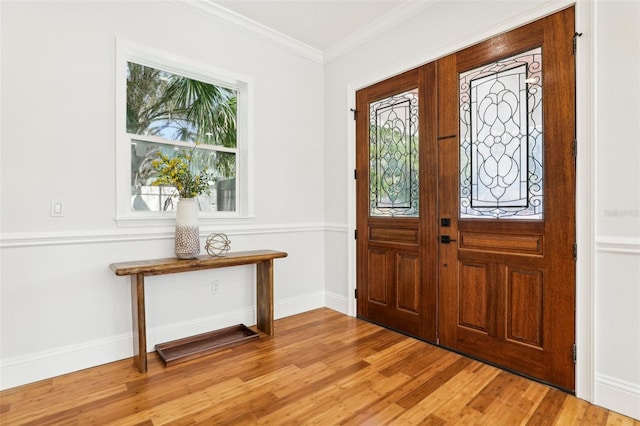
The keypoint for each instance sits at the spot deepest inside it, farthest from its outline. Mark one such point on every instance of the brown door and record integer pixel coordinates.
(485, 200)
(507, 183)
(396, 194)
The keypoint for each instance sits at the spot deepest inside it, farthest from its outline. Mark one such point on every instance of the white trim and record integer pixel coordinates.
(377, 27)
(618, 245)
(181, 144)
(336, 301)
(585, 203)
(298, 304)
(29, 368)
(618, 395)
(234, 20)
(37, 239)
(336, 227)
(396, 68)
(351, 203)
(220, 14)
(585, 367)
(160, 219)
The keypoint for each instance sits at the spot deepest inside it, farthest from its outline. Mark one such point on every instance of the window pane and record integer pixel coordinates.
(393, 156)
(175, 107)
(501, 139)
(147, 197)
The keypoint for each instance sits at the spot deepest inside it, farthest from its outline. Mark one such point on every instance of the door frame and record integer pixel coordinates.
(585, 184)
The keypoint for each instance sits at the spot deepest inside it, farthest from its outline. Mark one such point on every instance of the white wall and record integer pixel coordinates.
(617, 260)
(62, 309)
(608, 329)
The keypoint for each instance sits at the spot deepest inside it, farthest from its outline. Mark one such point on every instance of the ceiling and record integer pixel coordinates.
(325, 25)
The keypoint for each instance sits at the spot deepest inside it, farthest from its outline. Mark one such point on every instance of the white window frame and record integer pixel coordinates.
(127, 51)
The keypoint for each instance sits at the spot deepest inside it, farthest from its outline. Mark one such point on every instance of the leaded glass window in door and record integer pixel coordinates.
(501, 139)
(393, 156)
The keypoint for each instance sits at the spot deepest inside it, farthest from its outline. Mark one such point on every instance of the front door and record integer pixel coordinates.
(396, 194)
(507, 184)
(494, 196)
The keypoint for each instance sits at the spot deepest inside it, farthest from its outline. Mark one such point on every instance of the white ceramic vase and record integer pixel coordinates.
(187, 242)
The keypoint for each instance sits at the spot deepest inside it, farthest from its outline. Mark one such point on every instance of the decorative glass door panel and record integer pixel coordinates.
(393, 156)
(507, 286)
(501, 139)
(396, 175)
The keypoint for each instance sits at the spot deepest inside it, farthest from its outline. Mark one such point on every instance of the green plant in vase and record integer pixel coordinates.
(177, 172)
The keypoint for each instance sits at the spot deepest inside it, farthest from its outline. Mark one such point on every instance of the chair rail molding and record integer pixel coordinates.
(34, 239)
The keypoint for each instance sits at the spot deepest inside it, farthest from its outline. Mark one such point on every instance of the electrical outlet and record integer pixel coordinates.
(215, 287)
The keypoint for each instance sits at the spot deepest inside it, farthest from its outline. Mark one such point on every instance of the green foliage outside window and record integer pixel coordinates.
(178, 109)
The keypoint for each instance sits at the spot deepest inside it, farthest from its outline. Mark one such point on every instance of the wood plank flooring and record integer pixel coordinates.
(320, 368)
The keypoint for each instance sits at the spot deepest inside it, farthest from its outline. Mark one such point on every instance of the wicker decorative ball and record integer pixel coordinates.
(217, 244)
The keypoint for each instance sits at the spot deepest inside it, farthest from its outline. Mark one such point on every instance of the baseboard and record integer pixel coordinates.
(299, 304)
(336, 302)
(31, 368)
(618, 395)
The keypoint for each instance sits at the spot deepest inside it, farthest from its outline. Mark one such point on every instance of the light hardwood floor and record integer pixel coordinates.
(322, 368)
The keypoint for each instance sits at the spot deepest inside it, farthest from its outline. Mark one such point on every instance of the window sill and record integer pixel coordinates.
(168, 220)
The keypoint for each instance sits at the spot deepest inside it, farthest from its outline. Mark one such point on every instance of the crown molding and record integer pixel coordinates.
(209, 9)
(399, 14)
(212, 10)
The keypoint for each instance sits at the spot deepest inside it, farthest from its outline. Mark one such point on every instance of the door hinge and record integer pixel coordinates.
(355, 174)
(575, 252)
(355, 234)
(355, 113)
(355, 293)
(575, 41)
(575, 148)
(575, 354)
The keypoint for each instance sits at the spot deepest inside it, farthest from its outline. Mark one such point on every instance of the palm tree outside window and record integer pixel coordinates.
(168, 113)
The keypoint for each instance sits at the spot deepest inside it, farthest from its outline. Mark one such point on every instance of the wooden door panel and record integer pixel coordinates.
(525, 306)
(511, 300)
(378, 274)
(473, 296)
(396, 197)
(502, 285)
(511, 243)
(408, 282)
(401, 233)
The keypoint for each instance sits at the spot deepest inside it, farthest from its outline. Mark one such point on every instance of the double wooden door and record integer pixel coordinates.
(465, 201)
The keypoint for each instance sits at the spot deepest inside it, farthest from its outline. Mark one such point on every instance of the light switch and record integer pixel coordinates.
(56, 209)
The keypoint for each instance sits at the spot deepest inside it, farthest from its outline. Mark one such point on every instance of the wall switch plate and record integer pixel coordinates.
(56, 209)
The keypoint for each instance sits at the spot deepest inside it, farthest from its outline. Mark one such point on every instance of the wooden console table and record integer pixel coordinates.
(263, 259)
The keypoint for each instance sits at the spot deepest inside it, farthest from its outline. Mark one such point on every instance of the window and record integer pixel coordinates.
(168, 105)
(501, 143)
(393, 156)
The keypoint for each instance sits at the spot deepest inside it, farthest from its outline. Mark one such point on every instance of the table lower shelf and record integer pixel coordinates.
(182, 350)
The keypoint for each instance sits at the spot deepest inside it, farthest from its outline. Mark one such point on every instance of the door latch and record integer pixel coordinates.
(445, 239)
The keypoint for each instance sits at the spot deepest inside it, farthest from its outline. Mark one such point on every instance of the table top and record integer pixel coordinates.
(173, 265)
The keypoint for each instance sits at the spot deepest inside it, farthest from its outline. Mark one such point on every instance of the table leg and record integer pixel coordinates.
(139, 323)
(264, 296)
